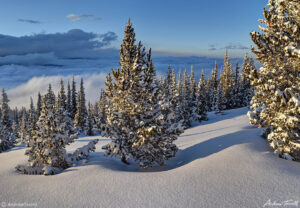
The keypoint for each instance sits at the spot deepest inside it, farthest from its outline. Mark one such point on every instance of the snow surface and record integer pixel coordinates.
(222, 162)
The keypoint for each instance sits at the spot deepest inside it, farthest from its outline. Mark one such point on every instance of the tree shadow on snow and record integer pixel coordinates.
(225, 115)
(185, 156)
(16, 147)
(90, 140)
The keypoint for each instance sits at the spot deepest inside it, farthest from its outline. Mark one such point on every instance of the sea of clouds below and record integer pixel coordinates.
(24, 76)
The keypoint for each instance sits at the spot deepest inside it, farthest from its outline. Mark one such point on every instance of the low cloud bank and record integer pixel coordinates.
(20, 96)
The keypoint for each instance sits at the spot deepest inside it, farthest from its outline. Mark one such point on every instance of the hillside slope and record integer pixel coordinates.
(222, 162)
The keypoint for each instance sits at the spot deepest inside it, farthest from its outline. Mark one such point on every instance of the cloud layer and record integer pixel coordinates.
(75, 43)
(231, 46)
(29, 21)
(20, 96)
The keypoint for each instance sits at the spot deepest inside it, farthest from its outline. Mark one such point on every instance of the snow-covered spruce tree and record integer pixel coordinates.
(187, 106)
(168, 89)
(32, 118)
(277, 82)
(179, 99)
(73, 99)
(193, 97)
(61, 97)
(90, 122)
(168, 100)
(212, 85)
(238, 101)
(227, 82)
(201, 99)
(47, 154)
(101, 117)
(69, 99)
(246, 89)
(171, 96)
(221, 100)
(23, 131)
(15, 129)
(135, 122)
(80, 120)
(6, 137)
(63, 115)
(38, 106)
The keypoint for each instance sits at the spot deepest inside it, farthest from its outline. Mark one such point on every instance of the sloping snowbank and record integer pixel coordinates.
(222, 162)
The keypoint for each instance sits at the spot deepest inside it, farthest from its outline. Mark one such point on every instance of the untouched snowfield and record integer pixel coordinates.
(222, 162)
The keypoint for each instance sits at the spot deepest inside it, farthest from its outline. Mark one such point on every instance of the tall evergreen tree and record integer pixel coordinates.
(201, 98)
(179, 99)
(227, 82)
(187, 101)
(90, 123)
(277, 82)
(39, 105)
(135, 122)
(31, 119)
(61, 97)
(61, 112)
(236, 90)
(221, 100)
(69, 99)
(73, 99)
(193, 97)
(6, 137)
(213, 85)
(23, 131)
(246, 89)
(101, 117)
(80, 120)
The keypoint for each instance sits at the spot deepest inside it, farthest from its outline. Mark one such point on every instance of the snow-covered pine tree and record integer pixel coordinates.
(69, 99)
(167, 85)
(23, 131)
(90, 122)
(38, 106)
(201, 98)
(73, 99)
(47, 154)
(179, 111)
(62, 113)
(193, 97)
(277, 82)
(101, 117)
(246, 89)
(135, 123)
(173, 91)
(14, 120)
(187, 107)
(15, 129)
(80, 120)
(61, 97)
(238, 101)
(221, 100)
(227, 82)
(212, 86)
(32, 117)
(6, 138)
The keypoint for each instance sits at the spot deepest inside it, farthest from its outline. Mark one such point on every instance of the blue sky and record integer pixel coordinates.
(184, 28)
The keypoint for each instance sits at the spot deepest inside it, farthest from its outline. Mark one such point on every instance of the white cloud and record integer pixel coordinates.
(79, 17)
(20, 95)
